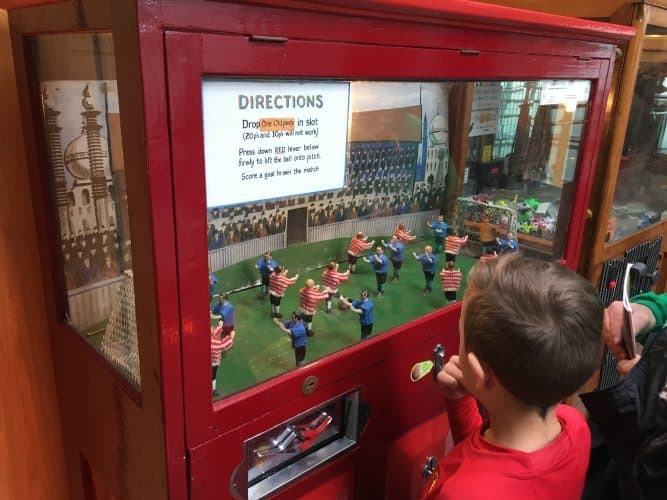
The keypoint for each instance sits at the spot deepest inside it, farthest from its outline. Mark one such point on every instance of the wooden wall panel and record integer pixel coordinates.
(32, 461)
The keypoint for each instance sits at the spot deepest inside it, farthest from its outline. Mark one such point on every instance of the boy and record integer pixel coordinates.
(297, 332)
(380, 264)
(278, 283)
(428, 261)
(450, 279)
(529, 337)
(357, 245)
(220, 342)
(331, 279)
(364, 308)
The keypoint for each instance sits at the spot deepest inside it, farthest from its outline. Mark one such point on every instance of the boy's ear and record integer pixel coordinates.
(480, 371)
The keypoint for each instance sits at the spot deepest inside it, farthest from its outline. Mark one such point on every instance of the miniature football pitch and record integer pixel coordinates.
(262, 351)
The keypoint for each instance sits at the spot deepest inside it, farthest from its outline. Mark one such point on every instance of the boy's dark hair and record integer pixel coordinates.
(278, 270)
(296, 315)
(536, 324)
(224, 296)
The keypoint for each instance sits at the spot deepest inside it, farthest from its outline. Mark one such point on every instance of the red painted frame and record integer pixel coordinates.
(191, 56)
(570, 49)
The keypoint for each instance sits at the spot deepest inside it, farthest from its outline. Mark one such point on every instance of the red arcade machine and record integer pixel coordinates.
(311, 166)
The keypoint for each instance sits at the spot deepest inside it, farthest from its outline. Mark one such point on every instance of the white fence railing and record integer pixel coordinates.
(91, 304)
(380, 226)
(226, 256)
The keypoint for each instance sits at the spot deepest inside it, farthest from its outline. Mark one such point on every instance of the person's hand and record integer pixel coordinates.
(624, 366)
(612, 326)
(450, 379)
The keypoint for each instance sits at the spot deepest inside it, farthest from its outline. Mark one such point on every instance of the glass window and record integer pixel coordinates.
(640, 196)
(336, 212)
(82, 137)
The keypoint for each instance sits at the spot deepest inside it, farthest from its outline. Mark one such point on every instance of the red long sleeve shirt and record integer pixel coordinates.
(477, 469)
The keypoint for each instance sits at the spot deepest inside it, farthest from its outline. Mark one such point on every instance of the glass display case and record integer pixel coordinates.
(327, 194)
(82, 134)
(628, 207)
(306, 185)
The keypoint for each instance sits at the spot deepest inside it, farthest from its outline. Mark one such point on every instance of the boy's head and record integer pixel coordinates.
(360, 234)
(267, 256)
(535, 324)
(224, 297)
(450, 265)
(278, 270)
(331, 266)
(296, 316)
(428, 249)
(379, 250)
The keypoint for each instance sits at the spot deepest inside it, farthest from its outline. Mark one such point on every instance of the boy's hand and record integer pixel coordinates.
(450, 379)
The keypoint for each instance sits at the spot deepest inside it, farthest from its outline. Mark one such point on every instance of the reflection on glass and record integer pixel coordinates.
(349, 210)
(640, 198)
(79, 102)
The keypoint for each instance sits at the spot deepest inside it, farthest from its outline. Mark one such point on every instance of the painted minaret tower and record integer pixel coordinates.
(55, 150)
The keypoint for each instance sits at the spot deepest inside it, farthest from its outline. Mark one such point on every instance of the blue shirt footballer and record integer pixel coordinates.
(297, 332)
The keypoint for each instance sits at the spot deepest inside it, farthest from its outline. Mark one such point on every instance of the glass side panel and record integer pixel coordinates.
(640, 196)
(338, 210)
(82, 138)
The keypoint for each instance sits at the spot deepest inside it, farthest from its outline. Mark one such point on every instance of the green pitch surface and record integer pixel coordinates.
(262, 351)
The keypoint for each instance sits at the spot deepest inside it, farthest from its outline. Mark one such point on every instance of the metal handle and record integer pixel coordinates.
(429, 467)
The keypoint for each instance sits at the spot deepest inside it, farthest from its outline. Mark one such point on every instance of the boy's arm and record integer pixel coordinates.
(464, 417)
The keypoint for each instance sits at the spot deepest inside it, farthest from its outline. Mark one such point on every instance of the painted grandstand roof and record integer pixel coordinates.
(390, 124)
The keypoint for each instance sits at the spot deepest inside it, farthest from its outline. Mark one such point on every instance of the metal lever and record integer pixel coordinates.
(279, 444)
(438, 360)
(429, 467)
(296, 437)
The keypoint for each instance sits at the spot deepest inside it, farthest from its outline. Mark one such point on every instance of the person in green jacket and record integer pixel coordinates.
(649, 312)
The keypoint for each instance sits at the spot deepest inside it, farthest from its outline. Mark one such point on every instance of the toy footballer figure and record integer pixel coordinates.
(439, 233)
(221, 342)
(331, 279)
(450, 279)
(278, 283)
(403, 234)
(357, 245)
(428, 261)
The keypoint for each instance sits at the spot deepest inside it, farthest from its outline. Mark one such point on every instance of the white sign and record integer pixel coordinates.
(271, 139)
(486, 100)
(565, 92)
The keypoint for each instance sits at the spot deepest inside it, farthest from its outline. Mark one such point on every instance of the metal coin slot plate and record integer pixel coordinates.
(292, 449)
